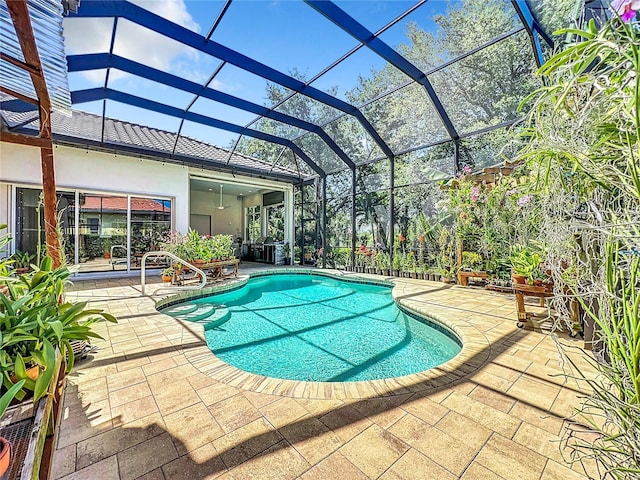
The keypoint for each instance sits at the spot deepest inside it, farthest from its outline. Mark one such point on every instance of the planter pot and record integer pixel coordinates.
(32, 372)
(287, 261)
(519, 279)
(107, 255)
(166, 278)
(5, 458)
(444, 279)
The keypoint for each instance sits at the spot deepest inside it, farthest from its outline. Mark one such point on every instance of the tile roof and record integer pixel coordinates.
(82, 128)
(113, 204)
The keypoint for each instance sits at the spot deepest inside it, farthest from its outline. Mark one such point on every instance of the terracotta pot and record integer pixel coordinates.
(519, 279)
(166, 278)
(107, 255)
(5, 458)
(32, 372)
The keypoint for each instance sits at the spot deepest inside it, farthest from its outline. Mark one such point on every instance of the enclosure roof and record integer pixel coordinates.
(85, 129)
(310, 86)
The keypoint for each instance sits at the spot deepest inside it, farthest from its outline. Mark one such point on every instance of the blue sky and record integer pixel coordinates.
(286, 35)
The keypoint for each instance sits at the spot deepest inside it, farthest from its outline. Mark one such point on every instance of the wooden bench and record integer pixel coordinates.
(463, 277)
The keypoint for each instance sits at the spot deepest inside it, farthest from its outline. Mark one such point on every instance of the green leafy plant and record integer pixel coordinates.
(524, 260)
(471, 261)
(382, 261)
(583, 144)
(168, 272)
(22, 259)
(35, 320)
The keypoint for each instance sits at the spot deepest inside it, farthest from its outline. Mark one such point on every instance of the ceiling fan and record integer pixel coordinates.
(222, 207)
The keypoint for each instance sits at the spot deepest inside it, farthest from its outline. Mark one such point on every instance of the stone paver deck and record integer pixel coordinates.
(154, 403)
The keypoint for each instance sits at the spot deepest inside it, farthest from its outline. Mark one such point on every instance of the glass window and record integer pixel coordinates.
(425, 165)
(406, 118)
(102, 229)
(486, 88)
(150, 226)
(553, 15)
(102, 232)
(275, 222)
(319, 152)
(372, 220)
(488, 149)
(302, 45)
(353, 139)
(373, 177)
(254, 231)
(30, 233)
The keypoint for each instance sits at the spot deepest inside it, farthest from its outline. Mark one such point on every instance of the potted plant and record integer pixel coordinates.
(286, 251)
(36, 320)
(471, 261)
(107, 243)
(21, 261)
(167, 274)
(524, 261)
(383, 263)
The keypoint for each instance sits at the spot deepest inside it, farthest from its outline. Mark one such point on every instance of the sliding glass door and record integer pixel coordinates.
(112, 234)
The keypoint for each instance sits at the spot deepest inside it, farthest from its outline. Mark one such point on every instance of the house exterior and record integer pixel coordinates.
(130, 188)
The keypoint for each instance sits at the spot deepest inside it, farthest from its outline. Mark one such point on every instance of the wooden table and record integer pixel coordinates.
(216, 269)
(522, 291)
(213, 270)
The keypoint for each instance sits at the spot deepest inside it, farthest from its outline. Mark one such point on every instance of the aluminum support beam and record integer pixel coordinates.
(533, 29)
(347, 23)
(192, 39)
(90, 95)
(98, 61)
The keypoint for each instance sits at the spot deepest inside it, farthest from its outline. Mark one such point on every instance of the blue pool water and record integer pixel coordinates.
(310, 327)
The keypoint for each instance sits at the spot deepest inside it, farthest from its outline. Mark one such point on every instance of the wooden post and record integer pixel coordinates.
(50, 198)
(22, 23)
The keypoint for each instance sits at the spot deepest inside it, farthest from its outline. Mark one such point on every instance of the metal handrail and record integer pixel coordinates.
(143, 270)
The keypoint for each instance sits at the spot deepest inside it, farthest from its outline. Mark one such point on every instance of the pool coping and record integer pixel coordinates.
(475, 350)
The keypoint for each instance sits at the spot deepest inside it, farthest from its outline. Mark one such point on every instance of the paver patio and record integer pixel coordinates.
(154, 403)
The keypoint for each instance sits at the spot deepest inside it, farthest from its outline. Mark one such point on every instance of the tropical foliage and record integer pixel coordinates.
(583, 145)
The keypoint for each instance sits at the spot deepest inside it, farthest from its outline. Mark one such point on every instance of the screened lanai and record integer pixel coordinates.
(365, 108)
(399, 145)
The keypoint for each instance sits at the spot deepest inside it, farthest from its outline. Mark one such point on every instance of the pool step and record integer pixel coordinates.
(217, 318)
(203, 311)
(181, 309)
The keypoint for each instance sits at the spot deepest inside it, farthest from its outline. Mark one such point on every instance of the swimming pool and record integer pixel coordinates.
(316, 328)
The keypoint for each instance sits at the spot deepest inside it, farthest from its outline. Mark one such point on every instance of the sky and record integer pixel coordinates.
(287, 35)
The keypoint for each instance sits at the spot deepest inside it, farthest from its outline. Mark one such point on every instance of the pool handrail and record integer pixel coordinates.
(162, 253)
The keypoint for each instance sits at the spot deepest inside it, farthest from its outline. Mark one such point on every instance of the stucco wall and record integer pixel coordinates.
(89, 170)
